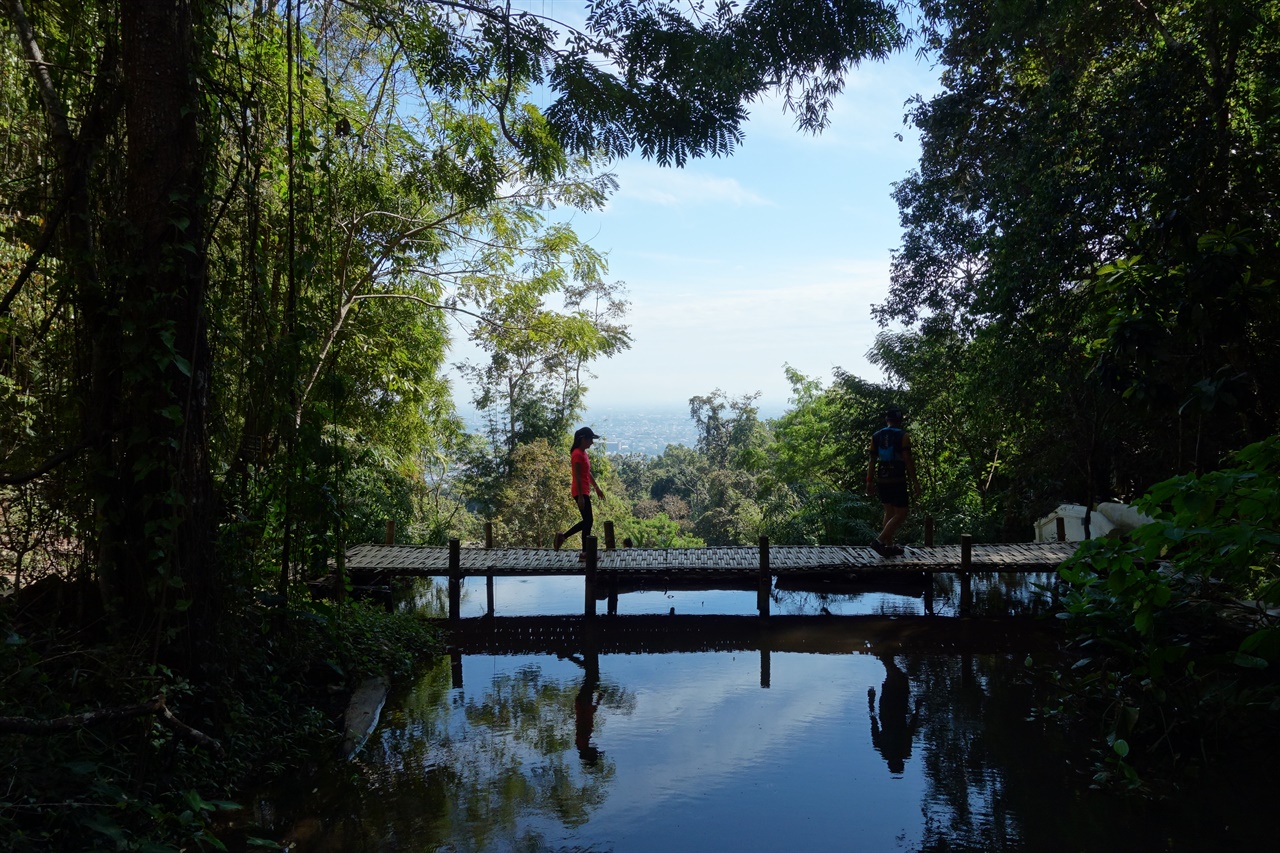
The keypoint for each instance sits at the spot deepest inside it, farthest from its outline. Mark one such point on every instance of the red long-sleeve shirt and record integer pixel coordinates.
(580, 466)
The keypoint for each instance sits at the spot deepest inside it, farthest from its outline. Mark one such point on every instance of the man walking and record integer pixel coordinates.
(890, 472)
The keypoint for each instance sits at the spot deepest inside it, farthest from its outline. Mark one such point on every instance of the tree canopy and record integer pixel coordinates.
(237, 243)
(1091, 224)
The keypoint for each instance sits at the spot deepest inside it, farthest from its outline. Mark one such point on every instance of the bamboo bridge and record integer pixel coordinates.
(608, 571)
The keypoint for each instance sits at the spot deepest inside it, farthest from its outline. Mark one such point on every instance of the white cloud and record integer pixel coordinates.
(682, 727)
(865, 116)
(701, 334)
(647, 182)
(757, 305)
(773, 256)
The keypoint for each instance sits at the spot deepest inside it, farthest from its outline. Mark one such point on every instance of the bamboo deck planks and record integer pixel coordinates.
(714, 560)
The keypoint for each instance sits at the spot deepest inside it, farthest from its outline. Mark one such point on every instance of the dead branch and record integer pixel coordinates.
(48, 465)
(153, 707)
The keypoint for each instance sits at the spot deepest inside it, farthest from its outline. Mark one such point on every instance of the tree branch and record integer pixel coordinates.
(57, 114)
(342, 317)
(49, 464)
(43, 242)
(153, 707)
(59, 129)
(74, 155)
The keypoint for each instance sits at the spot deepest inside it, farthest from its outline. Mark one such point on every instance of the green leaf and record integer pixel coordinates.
(81, 768)
(1264, 643)
(99, 822)
(197, 802)
(1121, 747)
(1128, 718)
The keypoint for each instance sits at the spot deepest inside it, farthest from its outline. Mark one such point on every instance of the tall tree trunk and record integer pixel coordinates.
(155, 486)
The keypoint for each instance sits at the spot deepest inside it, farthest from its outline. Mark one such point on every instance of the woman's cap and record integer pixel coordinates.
(586, 432)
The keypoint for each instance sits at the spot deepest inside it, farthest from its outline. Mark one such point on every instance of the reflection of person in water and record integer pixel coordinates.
(895, 725)
(584, 710)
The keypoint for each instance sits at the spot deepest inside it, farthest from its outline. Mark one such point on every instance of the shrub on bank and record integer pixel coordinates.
(1177, 628)
(270, 695)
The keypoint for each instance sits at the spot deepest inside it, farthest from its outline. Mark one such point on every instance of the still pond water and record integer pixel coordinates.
(868, 725)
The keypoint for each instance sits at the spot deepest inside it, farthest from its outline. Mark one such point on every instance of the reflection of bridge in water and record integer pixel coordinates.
(608, 572)
(658, 634)
(568, 636)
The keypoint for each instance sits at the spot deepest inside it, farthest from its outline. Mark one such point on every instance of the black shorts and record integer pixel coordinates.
(893, 494)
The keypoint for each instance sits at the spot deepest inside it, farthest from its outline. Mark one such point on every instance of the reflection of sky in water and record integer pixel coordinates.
(695, 755)
(707, 759)
(563, 596)
(721, 749)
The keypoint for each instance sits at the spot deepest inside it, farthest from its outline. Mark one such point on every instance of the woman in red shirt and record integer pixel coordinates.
(581, 484)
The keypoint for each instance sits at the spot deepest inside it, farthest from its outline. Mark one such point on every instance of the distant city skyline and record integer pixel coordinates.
(634, 428)
(772, 256)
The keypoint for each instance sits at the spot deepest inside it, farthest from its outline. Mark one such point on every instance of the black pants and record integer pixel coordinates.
(588, 519)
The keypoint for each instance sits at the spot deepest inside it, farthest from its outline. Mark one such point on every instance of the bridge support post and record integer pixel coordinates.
(1062, 528)
(391, 532)
(455, 579)
(966, 575)
(766, 578)
(928, 531)
(765, 662)
(488, 579)
(608, 536)
(589, 581)
(613, 593)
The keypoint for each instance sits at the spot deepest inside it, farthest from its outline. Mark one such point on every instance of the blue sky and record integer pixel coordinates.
(735, 266)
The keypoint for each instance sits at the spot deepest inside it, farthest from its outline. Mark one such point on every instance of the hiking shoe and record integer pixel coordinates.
(879, 548)
(895, 550)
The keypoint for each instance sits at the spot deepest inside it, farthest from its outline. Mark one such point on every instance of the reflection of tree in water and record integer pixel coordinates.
(981, 778)
(426, 596)
(997, 593)
(441, 770)
(894, 723)
(885, 598)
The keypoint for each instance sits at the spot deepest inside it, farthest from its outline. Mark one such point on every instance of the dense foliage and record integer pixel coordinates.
(235, 240)
(134, 783)
(1178, 621)
(1087, 281)
(1089, 245)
